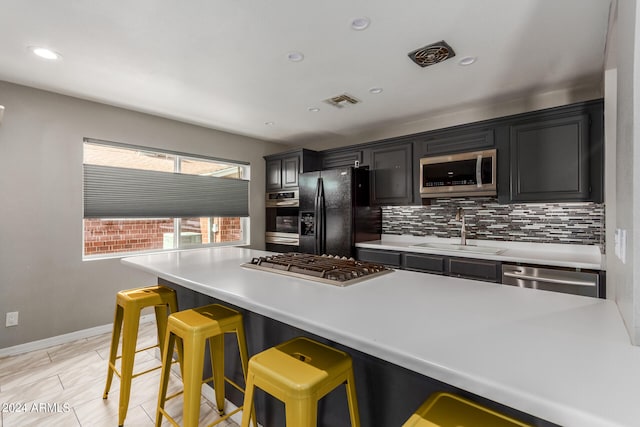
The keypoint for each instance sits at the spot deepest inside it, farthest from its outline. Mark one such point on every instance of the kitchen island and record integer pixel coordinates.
(562, 358)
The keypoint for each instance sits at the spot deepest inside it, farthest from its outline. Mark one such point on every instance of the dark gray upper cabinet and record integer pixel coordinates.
(549, 160)
(283, 172)
(283, 169)
(553, 155)
(455, 141)
(391, 168)
(549, 155)
(332, 159)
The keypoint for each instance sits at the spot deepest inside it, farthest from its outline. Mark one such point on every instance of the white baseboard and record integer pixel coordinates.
(65, 338)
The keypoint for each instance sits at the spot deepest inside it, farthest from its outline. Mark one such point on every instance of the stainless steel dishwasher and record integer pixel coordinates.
(568, 281)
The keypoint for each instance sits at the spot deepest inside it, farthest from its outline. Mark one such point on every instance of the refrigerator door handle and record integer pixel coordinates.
(321, 221)
(316, 213)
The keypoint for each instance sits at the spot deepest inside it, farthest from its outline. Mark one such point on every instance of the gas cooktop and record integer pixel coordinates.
(333, 270)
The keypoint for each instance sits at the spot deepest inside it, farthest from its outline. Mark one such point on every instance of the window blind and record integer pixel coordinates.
(114, 192)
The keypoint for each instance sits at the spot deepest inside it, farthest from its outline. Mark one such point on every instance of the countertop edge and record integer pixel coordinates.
(536, 405)
(583, 260)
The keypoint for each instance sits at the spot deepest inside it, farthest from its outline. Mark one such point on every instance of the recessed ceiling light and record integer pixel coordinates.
(269, 123)
(45, 53)
(375, 90)
(467, 60)
(313, 109)
(295, 56)
(360, 24)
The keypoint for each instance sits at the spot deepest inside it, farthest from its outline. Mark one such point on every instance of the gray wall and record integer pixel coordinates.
(42, 274)
(626, 275)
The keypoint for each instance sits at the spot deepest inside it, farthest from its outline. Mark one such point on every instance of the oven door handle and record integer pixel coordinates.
(283, 241)
(285, 203)
(550, 280)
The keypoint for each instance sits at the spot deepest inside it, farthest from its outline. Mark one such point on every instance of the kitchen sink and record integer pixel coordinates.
(460, 248)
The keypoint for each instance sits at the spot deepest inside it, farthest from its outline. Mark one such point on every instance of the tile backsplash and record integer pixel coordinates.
(486, 219)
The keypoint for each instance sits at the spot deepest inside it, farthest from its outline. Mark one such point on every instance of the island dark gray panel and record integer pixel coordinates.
(387, 394)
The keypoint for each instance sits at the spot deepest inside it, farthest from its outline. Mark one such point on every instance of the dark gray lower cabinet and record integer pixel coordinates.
(469, 268)
(424, 263)
(390, 258)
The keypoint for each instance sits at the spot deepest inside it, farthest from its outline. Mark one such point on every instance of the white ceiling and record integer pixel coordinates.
(223, 63)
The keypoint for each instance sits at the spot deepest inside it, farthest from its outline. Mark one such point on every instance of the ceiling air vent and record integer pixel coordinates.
(341, 101)
(432, 54)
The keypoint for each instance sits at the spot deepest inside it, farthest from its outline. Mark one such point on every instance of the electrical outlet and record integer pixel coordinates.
(12, 319)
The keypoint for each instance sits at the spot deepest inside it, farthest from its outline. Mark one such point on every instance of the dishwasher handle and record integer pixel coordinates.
(550, 280)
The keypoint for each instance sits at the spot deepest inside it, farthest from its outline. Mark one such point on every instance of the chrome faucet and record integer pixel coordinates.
(463, 229)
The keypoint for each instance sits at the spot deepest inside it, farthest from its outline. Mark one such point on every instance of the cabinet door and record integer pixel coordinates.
(274, 174)
(290, 171)
(455, 142)
(549, 160)
(390, 258)
(468, 268)
(391, 175)
(341, 159)
(425, 263)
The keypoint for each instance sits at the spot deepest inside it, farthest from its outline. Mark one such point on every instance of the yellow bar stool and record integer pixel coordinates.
(299, 372)
(448, 410)
(192, 328)
(129, 304)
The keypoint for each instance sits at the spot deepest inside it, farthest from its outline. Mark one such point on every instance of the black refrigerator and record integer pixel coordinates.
(335, 213)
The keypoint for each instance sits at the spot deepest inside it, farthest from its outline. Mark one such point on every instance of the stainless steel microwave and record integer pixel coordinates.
(461, 174)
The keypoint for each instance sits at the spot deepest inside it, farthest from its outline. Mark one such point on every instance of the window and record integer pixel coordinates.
(138, 199)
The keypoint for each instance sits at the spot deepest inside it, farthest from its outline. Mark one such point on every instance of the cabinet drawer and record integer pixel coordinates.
(428, 263)
(475, 269)
(382, 257)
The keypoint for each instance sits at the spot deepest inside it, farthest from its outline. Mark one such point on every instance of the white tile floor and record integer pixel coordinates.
(63, 386)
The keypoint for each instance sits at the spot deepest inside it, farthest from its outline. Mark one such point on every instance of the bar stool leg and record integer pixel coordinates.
(216, 350)
(161, 322)
(242, 347)
(352, 399)
(129, 339)
(301, 412)
(244, 360)
(167, 354)
(113, 352)
(248, 410)
(192, 380)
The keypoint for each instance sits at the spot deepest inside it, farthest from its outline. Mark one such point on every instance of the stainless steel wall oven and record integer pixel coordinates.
(282, 221)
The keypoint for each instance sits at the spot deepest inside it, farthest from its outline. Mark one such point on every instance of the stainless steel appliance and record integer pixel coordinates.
(335, 212)
(569, 281)
(276, 238)
(461, 174)
(282, 221)
(319, 268)
(289, 198)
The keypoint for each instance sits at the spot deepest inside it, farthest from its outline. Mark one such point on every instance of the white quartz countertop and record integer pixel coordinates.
(551, 254)
(559, 357)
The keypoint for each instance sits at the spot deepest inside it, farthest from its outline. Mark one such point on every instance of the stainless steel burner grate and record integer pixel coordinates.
(321, 268)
